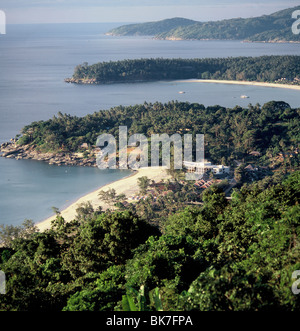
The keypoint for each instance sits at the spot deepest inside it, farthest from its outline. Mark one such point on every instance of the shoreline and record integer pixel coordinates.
(192, 80)
(127, 185)
(12, 150)
(242, 82)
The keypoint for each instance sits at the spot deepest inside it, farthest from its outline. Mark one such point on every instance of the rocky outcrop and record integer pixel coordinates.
(90, 81)
(28, 152)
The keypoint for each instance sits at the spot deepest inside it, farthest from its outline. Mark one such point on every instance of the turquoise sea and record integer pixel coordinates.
(35, 59)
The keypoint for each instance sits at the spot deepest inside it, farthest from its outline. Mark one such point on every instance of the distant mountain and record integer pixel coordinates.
(151, 28)
(276, 27)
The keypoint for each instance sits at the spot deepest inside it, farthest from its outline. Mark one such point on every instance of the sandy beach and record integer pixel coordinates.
(237, 82)
(127, 186)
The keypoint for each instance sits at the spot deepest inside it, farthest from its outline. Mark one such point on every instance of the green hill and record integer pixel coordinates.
(280, 69)
(151, 28)
(276, 27)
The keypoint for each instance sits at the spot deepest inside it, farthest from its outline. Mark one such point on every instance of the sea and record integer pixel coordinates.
(34, 61)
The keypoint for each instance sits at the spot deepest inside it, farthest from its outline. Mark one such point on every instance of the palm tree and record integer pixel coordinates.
(110, 197)
(143, 183)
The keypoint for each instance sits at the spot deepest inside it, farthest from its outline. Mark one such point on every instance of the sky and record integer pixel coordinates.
(90, 11)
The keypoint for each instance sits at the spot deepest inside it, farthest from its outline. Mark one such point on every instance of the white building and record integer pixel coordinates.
(201, 167)
(221, 170)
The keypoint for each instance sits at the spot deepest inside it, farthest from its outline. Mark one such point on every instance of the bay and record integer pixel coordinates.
(29, 189)
(35, 59)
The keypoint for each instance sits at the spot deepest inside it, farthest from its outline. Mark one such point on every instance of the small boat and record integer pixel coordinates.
(244, 96)
(181, 92)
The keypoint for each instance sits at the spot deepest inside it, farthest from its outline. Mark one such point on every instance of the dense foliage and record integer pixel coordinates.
(151, 28)
(262, 69)
(236, 254)
(184, 249)
(230, 133)
(274, 27)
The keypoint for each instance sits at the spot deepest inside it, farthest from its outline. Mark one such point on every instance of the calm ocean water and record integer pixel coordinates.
(35, 59)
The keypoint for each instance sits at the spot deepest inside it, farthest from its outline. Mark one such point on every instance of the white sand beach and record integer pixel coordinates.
(127, 186)
(236, 82)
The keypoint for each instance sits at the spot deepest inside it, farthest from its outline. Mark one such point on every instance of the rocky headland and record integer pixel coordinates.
(72, 80)
(12, 150)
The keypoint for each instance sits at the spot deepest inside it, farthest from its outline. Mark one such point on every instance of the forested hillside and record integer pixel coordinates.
(236, 255)
(230, 133)
(269, 28)
(262, 69)
(184, 249)
(151, 28)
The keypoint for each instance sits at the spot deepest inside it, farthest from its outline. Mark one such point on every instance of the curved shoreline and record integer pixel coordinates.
(192, 80)
(127, 185)
(237, 82)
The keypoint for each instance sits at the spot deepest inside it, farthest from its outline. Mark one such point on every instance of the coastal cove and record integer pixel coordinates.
(35, 60)
(247, 83)
(127, 186)
(14, 150)
(163, 175)
(29, 188)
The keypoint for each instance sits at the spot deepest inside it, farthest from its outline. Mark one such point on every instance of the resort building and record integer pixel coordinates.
(202, 167)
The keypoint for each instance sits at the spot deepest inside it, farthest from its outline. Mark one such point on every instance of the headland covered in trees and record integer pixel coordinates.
(230, 133)
(227, 242)
(263, 69)
(221, 243)
(276, 27)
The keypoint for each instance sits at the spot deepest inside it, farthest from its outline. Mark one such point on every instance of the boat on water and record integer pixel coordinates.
(244, 97)
(181, 92)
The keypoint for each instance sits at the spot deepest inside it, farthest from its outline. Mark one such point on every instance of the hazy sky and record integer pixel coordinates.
(69, 11)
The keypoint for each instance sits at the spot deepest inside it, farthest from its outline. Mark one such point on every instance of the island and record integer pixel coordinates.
(267, 69)
(276, 27)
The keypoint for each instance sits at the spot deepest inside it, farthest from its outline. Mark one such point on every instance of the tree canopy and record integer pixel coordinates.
(230, 134)
(236, 254)
(261, 69)
(268, 28)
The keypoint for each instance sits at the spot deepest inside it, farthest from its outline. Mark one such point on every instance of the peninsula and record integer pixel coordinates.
(276, 27)
(155, 239)
(264, 69)
(230, 133)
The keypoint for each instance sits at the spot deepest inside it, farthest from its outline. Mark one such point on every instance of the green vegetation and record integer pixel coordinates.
(271, 130)
(234, 254)
(143, 183)
(261, 69)
(270, 28)
(151, 28)
(180, 247)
